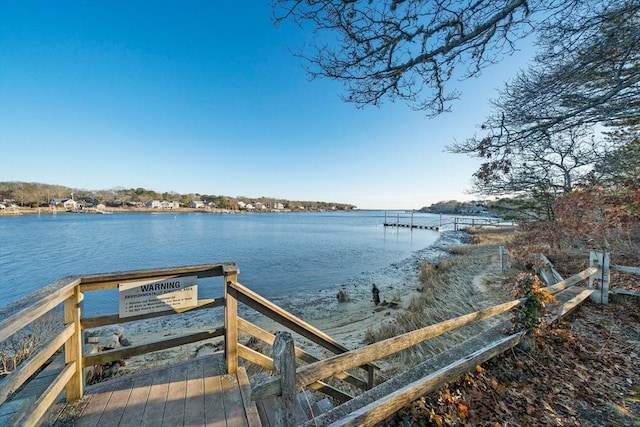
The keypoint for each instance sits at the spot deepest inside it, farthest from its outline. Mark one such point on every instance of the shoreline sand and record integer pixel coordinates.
(346, 322)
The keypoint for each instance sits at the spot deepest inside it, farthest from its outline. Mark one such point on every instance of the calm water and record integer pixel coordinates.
(278, 253)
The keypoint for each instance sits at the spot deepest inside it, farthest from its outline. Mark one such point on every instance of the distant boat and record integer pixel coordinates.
(98, 211)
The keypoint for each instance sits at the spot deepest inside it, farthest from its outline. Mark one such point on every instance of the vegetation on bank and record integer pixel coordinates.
(584, 371)
(33, 195)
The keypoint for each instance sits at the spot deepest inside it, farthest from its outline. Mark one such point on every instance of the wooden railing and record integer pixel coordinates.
(380, 409)
(66, 296)
(69, 293)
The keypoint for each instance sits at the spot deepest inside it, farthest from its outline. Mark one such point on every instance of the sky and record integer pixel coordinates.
(206, 97)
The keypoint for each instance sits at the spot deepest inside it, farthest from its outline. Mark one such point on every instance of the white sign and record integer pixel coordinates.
(144, 297)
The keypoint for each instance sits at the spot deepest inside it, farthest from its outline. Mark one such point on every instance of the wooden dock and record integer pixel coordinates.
(407, 225)
(192, 393)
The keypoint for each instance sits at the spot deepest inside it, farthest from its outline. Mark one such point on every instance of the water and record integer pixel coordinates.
(279, 254)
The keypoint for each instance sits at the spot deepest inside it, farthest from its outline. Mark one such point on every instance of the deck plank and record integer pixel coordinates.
(253, 418)
(116, 405)
(194, 399)
(134, 411)
(213, 402)
(193, 393)
(97, 402)
(154, 410)
(174, 409)
(234, 412)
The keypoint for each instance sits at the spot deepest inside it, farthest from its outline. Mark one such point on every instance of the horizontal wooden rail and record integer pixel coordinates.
(267, 363)
(102, 281)
(576, 278)
(269, 309)
(625, 269)
(137, 350)
(62, 290)
(48, 397)
(571, 305)
(378, 410)
(17, 378)
(269, 338)
(316, 371)
(112, 319)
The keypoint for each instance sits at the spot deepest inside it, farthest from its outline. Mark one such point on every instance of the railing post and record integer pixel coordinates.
(601, 260)
(285, 363)
(73, 346)
(230, 323)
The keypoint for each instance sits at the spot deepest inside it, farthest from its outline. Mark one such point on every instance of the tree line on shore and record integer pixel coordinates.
(32, 195)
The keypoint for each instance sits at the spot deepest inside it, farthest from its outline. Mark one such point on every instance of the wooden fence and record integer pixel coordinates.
(68, 294)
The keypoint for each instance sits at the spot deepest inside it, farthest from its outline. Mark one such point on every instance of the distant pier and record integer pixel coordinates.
(405, 225)
(410, 223)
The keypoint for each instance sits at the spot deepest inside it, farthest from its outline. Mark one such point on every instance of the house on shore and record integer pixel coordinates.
(162, 204)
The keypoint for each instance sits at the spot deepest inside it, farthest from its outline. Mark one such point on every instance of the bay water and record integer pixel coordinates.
(278, 254)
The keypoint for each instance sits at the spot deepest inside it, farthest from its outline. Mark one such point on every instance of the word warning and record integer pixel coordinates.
(136, 298)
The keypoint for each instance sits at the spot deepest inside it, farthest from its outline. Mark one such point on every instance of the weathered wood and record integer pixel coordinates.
(134, 411)
(232, 398)
(213, 393)
(267, 363)
(253, 419)
(377, 411)
(625, 269)
(174, 409)
(157, 398)
(112, 319)
(549, 274)
(73, 346)
(330, 391)
(12, 413)
(269, 338)
(231, 324)
(136, 350)
(117, 404)
(47, 398)
(626, 292)
(21, 319)
(103, 281)
(576, 278)
(17, 378)
(571, 305)
(285, 364)
(288, 320)
(255, 357)
(602, 261)
(316, 371)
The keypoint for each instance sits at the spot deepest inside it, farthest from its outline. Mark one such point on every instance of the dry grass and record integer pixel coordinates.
(468, 280)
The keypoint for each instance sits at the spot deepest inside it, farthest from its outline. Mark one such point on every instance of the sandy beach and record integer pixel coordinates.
(347, 322)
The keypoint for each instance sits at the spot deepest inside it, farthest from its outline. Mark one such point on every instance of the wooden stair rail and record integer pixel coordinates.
(274, 312)
(378, 410)
(317, 371)
(269, 338)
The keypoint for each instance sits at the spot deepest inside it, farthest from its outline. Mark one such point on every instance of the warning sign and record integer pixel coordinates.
(136, 298)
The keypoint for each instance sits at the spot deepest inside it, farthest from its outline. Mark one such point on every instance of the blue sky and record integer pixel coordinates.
(205, 97)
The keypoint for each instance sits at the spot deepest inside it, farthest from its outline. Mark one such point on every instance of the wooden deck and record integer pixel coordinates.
(193, 393)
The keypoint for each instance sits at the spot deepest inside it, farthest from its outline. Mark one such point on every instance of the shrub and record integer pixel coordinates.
(25, 342)
(529, 315)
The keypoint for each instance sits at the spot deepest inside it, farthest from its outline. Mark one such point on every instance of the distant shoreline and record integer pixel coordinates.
(93, 211)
